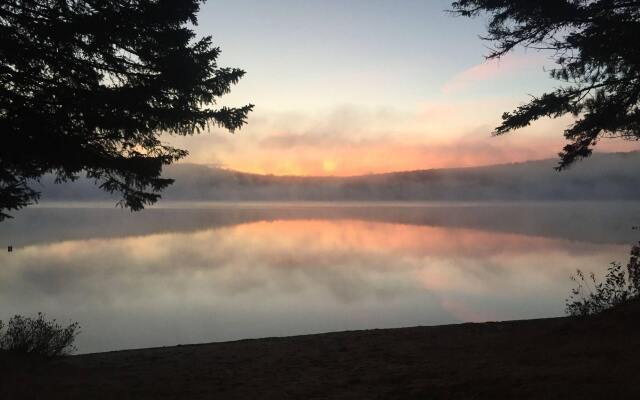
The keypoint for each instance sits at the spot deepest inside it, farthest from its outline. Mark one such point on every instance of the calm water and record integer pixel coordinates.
(188, 273)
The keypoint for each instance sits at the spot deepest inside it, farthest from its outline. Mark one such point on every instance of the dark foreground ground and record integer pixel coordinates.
(559, 358)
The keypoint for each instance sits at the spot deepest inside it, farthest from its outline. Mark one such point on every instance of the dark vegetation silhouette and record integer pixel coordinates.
(595, 47)
(620, 286)
(89, 86)
(37, 337)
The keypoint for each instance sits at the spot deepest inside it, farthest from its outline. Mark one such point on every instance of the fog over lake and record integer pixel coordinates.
(202, 272)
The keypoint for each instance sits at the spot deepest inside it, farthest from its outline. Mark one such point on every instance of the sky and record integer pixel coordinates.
(355, 87)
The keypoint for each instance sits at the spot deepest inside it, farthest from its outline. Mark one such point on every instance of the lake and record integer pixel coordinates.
(201, 272)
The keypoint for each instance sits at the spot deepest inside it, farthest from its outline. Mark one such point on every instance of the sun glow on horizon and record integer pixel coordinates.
(386, 155)
(358, 140)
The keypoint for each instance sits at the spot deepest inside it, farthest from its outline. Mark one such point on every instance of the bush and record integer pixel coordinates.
(38, 336)
(620, 286)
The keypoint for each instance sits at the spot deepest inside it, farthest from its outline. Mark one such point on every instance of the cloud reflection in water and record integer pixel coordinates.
(286, 277)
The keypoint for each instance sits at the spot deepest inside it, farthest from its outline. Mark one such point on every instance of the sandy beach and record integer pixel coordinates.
(546, 358)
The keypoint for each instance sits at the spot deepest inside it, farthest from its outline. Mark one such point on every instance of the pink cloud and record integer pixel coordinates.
(489, 70)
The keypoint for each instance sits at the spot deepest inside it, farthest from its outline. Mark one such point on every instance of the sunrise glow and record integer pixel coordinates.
(378, 108)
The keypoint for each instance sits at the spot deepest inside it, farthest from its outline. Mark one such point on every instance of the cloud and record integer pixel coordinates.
(286, 140)
(490, 69)
(297, 273)
(438, 133)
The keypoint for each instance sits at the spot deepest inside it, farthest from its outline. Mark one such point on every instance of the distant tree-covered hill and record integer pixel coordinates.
(613, 176)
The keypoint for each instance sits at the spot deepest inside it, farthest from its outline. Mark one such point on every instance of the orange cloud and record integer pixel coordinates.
(355, 141)
(380, 156)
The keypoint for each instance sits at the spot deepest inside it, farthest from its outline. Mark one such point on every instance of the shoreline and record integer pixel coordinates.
(389, 331)
(553, 358)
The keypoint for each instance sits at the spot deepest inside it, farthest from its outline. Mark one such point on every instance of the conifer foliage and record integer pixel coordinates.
(597, 54)
(89, 86)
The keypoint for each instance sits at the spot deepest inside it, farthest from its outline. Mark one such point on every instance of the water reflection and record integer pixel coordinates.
(290, 274)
